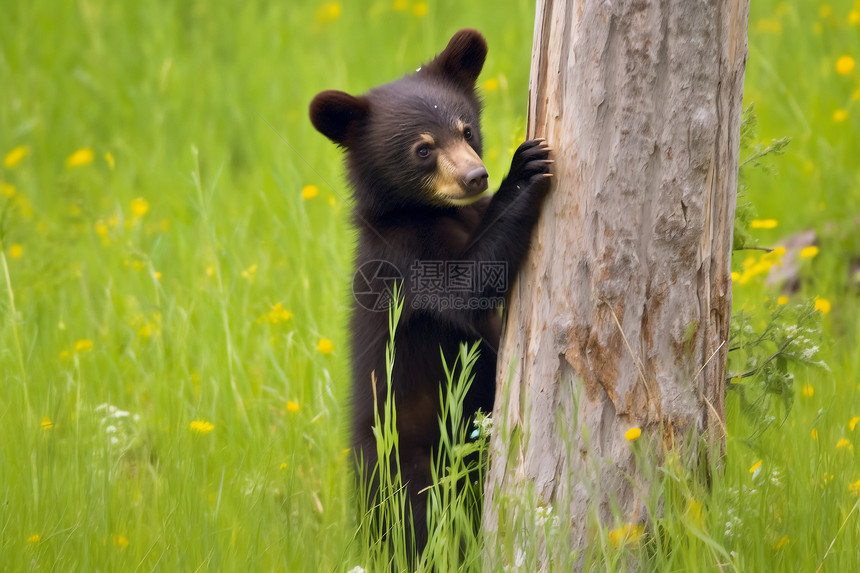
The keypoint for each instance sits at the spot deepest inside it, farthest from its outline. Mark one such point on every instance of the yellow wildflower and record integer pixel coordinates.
(808, 390)
(279, 314)
(120, 541)
(250, 272)
(420, 9)
(814, 433)
(325, 346)
(853, 422)
(840, 115)
(694, 511)
(139, 207)
(735, 276)
(110, 160)
(845, 65)
(854, 487)
(80, 157)
(827, 477)
(491, 84)
(843, 443)
(756, 266)
(292, 406)
(854, 17)
(201, 426)
(47, 424)
(328, 12)
(782, 300)
(763, 223)
(632, 434)
(823, 305)
(783, 541)
(283, 466)
(808, 252)
(774, 257)
(34, 538)
(769, 26)
(15, 251)
(7, 189)
(24, 206)
(83, 345)
(15, 156)
(157, 275)
(310, 191)
(755, 467)
(625, 534)
(101, 230)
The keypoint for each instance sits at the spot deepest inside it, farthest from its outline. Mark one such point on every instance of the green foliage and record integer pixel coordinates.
(791, 335)
(385, 531)
(458, 474)
(752, 154)
(790, 340)
(386, 526)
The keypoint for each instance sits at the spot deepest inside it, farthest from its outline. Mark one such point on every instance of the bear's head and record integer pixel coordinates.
(417, 139)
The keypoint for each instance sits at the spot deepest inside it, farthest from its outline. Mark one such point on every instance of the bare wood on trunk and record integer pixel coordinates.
(621, 313)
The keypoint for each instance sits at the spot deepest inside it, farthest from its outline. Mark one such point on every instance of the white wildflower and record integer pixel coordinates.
(520, 557)
(542, 514)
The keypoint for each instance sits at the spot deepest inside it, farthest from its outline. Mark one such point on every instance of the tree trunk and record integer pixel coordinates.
(620, 316)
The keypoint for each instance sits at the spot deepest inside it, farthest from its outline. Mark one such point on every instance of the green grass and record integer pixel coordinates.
(167, 308)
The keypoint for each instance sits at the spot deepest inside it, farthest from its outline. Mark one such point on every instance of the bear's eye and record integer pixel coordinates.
(423, 151)
(467, 133)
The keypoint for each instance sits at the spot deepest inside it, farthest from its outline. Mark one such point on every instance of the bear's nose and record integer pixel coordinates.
(476, 180)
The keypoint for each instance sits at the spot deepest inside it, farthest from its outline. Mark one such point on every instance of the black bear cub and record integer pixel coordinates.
(413, 152)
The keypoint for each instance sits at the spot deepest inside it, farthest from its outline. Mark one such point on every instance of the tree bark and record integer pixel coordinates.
(620, 316)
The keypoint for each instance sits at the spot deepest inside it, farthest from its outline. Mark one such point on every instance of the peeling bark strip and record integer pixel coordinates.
(620, 315)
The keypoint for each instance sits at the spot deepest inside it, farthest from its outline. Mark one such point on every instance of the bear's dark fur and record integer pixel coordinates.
(413, 152)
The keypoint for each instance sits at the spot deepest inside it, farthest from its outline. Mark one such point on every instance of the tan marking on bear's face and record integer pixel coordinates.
(453, 162)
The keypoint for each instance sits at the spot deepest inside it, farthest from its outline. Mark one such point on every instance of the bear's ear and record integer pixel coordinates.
(462, 59)
(338, 115)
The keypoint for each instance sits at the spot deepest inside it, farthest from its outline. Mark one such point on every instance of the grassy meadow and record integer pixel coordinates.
(175, 264)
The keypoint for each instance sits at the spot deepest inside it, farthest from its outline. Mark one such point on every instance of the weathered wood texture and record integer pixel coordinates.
(621, 314)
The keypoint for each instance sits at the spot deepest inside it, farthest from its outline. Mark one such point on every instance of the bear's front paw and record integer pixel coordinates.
(530, 164)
